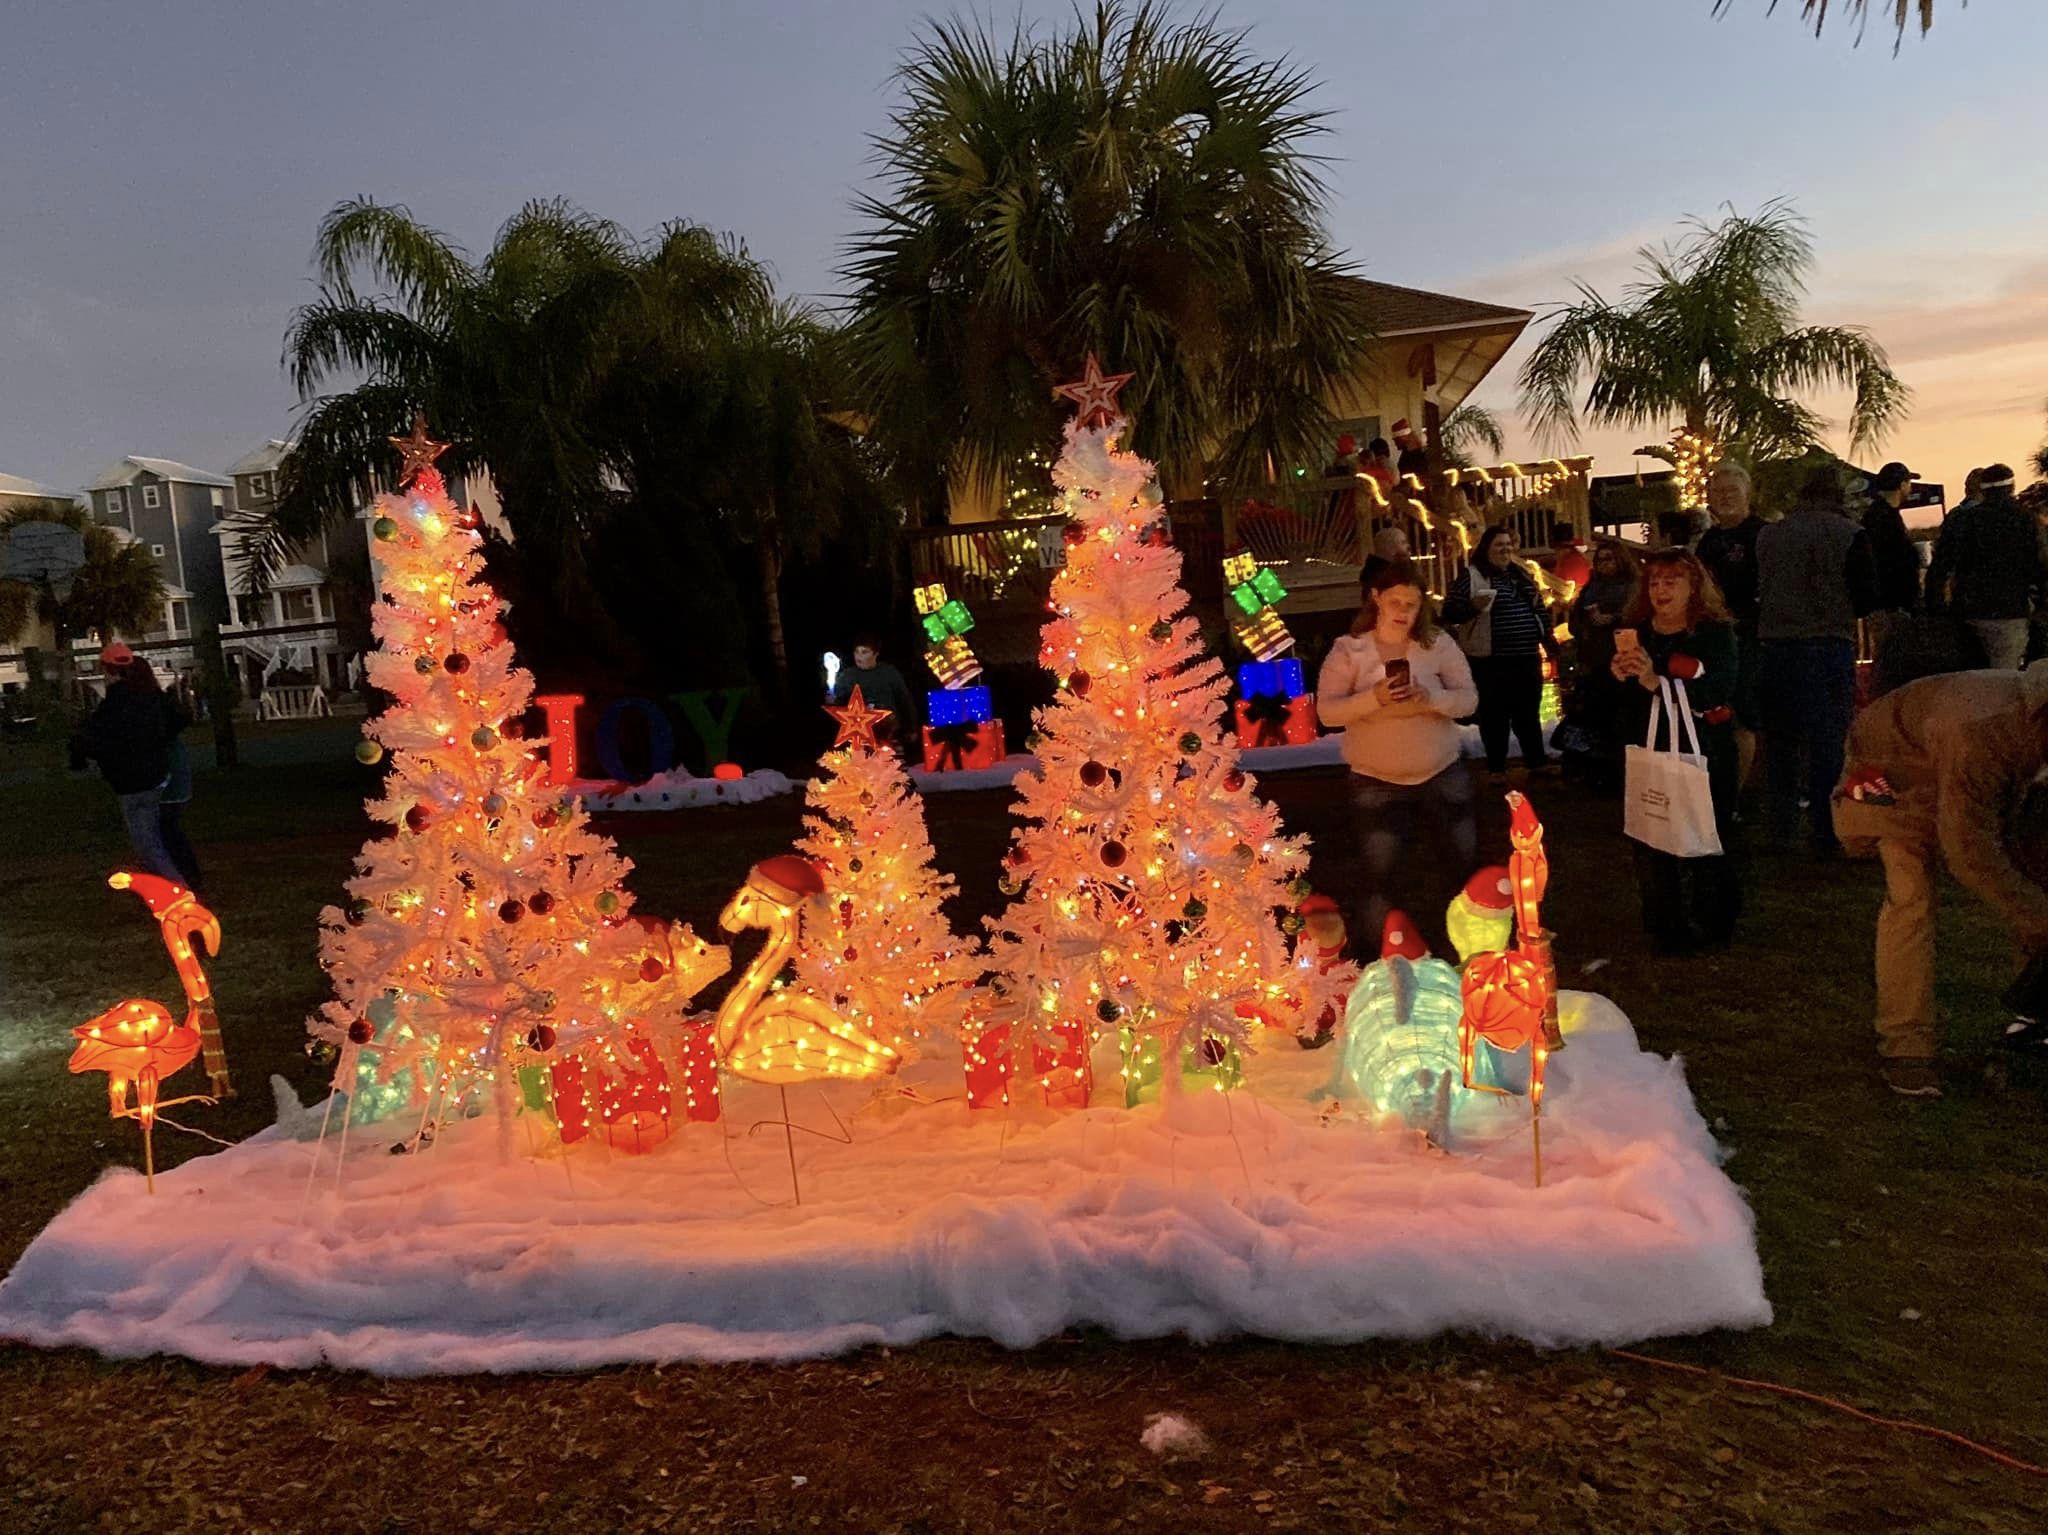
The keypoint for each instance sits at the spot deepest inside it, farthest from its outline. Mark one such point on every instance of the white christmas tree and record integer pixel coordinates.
(1149, 874)
(877, 945)
(489, 930)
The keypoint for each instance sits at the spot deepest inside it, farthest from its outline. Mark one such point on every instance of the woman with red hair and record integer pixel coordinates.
(1678, 627)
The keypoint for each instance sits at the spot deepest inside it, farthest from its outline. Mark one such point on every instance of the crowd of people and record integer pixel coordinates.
(1750, 628)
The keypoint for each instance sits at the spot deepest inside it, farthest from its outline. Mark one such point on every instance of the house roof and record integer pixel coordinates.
(15, 485)
(263, 460)
(295, 576)
(1414, 311)
(131, 468)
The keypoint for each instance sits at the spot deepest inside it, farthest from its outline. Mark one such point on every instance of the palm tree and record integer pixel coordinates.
(1132, 186)
(1708, 345)
(2041, 461)
(1467, 429)
(118, 590)
(1816, 11)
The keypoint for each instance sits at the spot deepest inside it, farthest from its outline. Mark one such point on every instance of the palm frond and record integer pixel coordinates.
(1816, 11)
(426, 271)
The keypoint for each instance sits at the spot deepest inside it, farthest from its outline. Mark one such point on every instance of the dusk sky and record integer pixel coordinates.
(166, 166)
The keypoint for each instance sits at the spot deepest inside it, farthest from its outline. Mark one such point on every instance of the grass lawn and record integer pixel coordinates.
(1867, 1208)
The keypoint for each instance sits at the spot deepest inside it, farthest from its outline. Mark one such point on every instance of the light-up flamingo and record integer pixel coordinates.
(135, 1042)
(778, 1036)
(1509, 994)
(180, 918)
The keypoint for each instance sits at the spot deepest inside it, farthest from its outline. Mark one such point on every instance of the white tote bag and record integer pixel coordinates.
(1670, 800)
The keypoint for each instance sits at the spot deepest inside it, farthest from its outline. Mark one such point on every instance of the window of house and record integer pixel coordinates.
(150, 498)
(180, 619)
(259, 486)
(298, 605)
(157, 550)
(116, 503)
(220, 497)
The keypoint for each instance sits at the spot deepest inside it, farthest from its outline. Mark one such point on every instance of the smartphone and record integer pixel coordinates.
(1627, 641)
(1397, 672)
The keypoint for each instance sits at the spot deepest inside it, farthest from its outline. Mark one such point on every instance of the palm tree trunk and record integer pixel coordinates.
(769, 548)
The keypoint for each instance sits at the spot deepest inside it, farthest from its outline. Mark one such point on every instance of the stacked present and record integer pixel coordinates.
(962, 731)
(1274, 707)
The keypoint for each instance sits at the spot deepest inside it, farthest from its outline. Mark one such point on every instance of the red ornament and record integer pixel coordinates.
(1233, 780)
(1079, 683)
(511, 911)
(1073, 534)
(417, 817)
(361, 1032)
(1214, 1051)
(652, 969)
(846, 913)
(541, 903)
(1017, 858)
(1094, 774)
(457, 663)
(545, 818)
(541, 1038)
(851, 955)
(1113, 854)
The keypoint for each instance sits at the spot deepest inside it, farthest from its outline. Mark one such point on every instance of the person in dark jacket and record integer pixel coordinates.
(1683, 631)
(1596, 695)
(1507, 633)
(1988, 567)
(1728, 550)
(1897, 558)
(129, 738)
(1815, 578)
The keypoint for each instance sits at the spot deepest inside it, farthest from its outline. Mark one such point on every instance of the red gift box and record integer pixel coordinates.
(956, 748)
(1063, 1067)
(1260, 721)
(989, 1067)
(699, 1060)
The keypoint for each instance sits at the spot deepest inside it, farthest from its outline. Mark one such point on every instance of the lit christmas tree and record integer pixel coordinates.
(1148, 872)
(488, 932)
(877, 944)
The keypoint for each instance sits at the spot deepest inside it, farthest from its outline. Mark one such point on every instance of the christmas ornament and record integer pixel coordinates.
(1113, 854)
(1079, 683)
(483, 738)
(511, 911)
(1072, 535)
(607, 902)
(652, 969)
(493, 805)
(417, 818)
(457, 663)
(384, 529)
(1233, 780)
(1093, 774)
(358, 912)
(1109, 1010)
(540, 1038)
(1196, 909)
(361, 1032)
(1190, 743)
(369, 753)
(540, 903)
(424, 665)
(1162, 631)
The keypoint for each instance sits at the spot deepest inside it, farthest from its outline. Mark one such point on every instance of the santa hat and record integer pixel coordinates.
(1399, 937)
(1402, 432)
(1489, 889)
(1346, 445)
(1316, 905)
(787, 879)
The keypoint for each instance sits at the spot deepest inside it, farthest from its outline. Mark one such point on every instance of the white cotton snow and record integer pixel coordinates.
(1169, 1435)
(1248, 1217)
(679, 790)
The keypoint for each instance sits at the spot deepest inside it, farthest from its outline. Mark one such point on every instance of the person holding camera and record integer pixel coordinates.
(1399, 685)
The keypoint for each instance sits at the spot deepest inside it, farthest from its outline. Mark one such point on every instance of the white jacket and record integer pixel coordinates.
(1404, 743)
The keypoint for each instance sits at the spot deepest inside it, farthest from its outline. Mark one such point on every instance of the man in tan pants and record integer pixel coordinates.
(1944, 768)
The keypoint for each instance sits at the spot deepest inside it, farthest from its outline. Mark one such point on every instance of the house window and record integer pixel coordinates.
(259, 487)
(298, 605)
(150, 498)
(117, 504)
(180, 619)
(157, 550)
(220, 498)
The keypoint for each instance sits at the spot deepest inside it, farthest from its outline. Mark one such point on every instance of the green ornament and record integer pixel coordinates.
(1195, 910)
(494, 804)
(1010, 886)
(385, 529)
(1301, 889)
(1109, 1010)
(369, 753)
(424, 665)
(483, 738)
(607, 902)
(359, 912)
(1190, 744)
(1292, 923)
(1162, 631)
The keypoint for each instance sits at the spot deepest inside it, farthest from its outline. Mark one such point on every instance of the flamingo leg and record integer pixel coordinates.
(145, 1110)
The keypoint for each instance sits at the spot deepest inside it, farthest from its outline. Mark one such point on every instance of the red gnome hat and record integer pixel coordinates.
(1489, 889)
(1400, 937)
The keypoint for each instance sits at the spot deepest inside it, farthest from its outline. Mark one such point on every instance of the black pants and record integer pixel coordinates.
(1420, 843)
(1510, 696)
(1690, 902)
(171, 827)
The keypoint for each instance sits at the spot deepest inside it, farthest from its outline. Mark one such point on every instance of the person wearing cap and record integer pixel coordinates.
(1989, 567)
(1897, 557)
(1815, 578)
(1950, 769)
(128, 736)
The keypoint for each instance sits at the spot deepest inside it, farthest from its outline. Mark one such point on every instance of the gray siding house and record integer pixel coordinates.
(170, 508)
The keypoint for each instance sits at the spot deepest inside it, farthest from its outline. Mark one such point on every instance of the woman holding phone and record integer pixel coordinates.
(1678, 627)
(1399, 685)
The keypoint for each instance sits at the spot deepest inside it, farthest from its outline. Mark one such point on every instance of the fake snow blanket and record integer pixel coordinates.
(677, 790)
(1248, 1213)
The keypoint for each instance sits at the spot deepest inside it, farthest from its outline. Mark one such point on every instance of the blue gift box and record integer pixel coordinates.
(1274, 679)
(961, 706)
